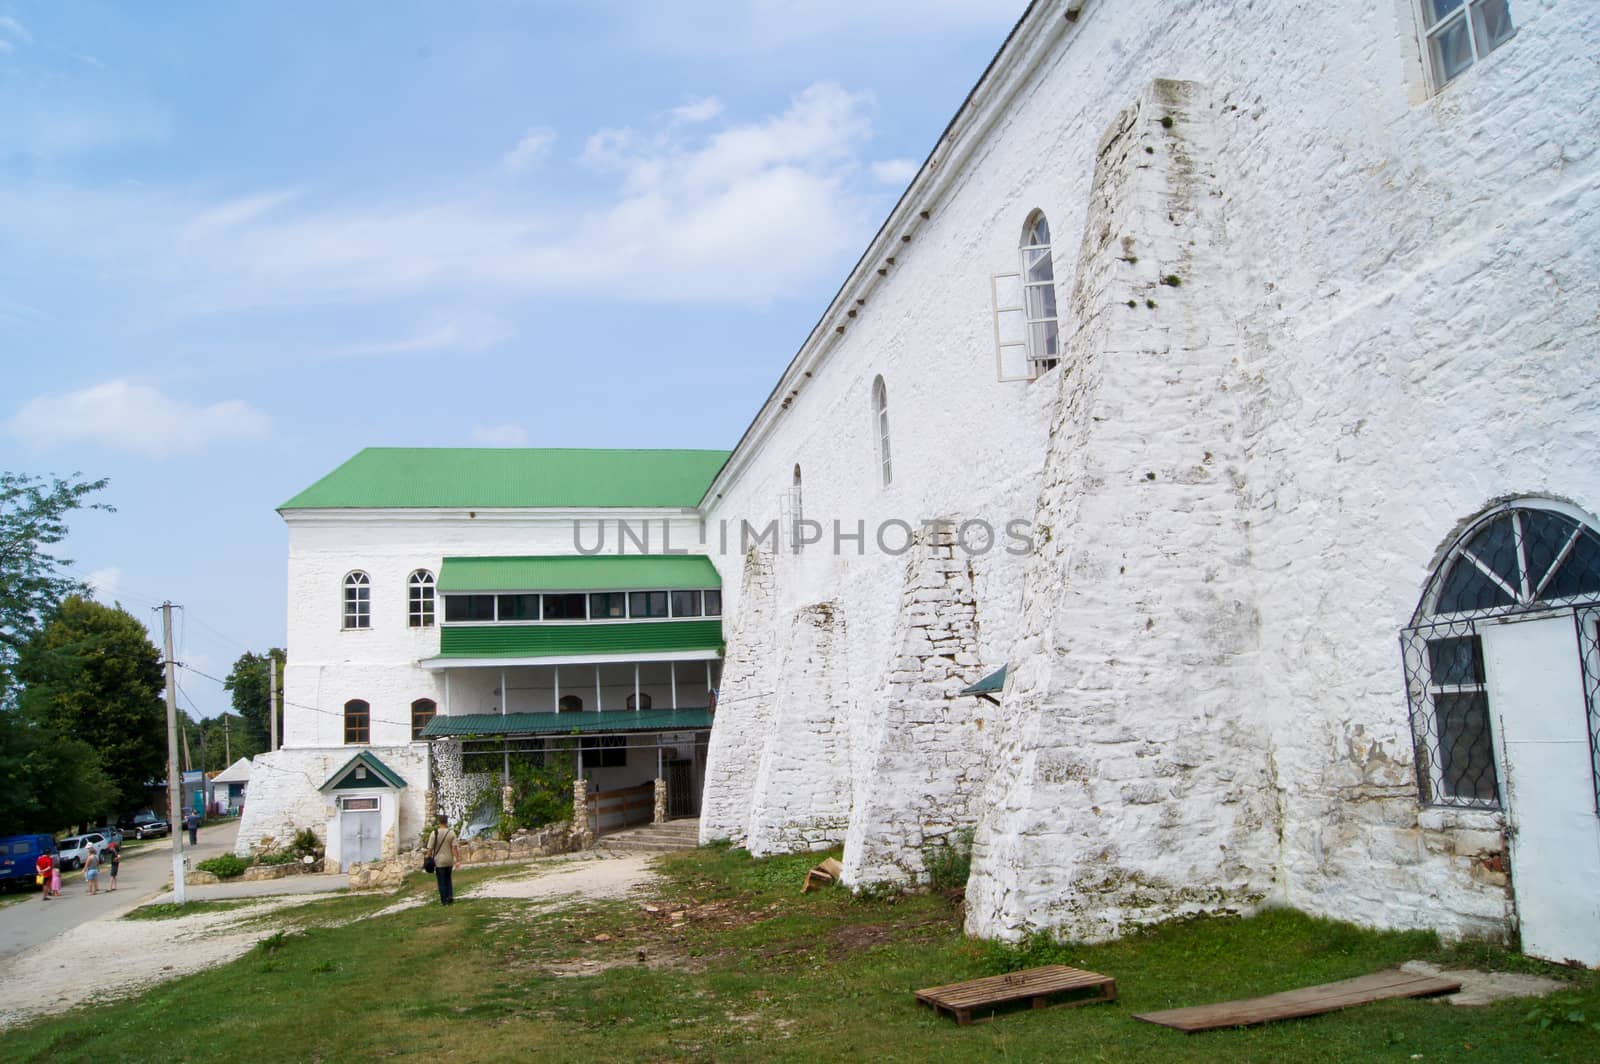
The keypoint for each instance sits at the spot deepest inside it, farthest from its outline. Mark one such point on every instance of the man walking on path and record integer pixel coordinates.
(192, 822)
(445, 850)
(114, 858)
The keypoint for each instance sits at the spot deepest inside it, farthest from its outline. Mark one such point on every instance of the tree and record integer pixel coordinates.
(47, 780)
(92, 674)
(251, 686)
(33, 514)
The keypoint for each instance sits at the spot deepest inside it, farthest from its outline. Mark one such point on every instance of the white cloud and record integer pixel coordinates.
(531, 150)
(700, 109)
(500, 436)
(713, 212)
(133, 417)
(894, 171)
(104, 583)
(13, 33)
(463, 334)
(743, 27)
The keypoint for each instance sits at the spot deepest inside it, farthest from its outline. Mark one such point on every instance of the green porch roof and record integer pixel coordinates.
(989, 684)
(579, 573)
(374, 766)
(564, 640)
(579, 723)
(489, 477)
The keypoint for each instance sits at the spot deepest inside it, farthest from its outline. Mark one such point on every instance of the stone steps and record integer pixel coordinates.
(653, 838)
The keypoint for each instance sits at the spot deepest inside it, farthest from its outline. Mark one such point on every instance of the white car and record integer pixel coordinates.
(74, 848)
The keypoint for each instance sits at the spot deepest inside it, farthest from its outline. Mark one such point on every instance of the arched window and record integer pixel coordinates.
(421, 586)
(644, 701)
(1520, 558)
(1039, 294)
(357, 721)
(797, 512)
(570, 704)
(880, 425)
(357, 600)
(422, 711)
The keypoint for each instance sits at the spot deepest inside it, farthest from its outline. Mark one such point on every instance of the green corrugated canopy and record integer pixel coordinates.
(574, 723)
(571, 640)
(494, 477)
(579, 573)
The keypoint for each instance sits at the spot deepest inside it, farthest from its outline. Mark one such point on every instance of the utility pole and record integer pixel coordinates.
(188, 762)
(174, 792)
(227, 748)
(272, 699)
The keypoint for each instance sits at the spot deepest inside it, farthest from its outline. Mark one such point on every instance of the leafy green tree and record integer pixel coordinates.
(48, 781)
(92, 674)
(33, 512)
(251, 686)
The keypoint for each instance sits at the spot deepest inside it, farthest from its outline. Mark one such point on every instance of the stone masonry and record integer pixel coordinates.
(744, 706)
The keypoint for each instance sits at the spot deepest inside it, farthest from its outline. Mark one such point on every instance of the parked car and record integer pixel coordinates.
(18, 854)
(145, 825)
(74, 848)
(111, 832)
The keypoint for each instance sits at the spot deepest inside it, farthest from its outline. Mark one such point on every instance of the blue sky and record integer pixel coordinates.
(240, 242)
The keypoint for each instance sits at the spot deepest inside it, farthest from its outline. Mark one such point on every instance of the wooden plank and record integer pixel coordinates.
(1307, 1001)
(1035, 986)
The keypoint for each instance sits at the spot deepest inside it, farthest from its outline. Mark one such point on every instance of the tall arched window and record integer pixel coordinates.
(880, 425)
(1525, 558)
(357, 600)
(357, 721)
(422, 711)
(797, 512)
(1039, 293)
(421, 598)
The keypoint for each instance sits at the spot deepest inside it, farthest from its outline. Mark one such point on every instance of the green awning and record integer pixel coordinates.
(577, 640)
(375, 768)
(574, 723)
(989, 684)
(667, 572)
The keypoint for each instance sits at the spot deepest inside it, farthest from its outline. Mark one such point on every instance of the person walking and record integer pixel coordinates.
(113, 858)
(444, 850)
(91, 869)
(192, 822)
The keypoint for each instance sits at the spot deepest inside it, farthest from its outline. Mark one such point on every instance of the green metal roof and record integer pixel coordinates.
(989, 684)
(609, 572)
(488, 477)
(561, 640)
(376, 767)
(579, 723)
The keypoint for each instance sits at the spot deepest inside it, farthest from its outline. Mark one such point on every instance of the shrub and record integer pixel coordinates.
(949, 865)
(278, 858)
(306, 844)
(224, 867)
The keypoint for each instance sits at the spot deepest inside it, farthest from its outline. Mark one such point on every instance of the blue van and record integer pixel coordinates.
(18, 854)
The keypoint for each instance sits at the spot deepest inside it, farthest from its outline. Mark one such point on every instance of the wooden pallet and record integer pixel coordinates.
(1035, 985)
(1309, 1001)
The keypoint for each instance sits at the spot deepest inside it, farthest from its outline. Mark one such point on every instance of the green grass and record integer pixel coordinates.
(172, 911)
(753, 970)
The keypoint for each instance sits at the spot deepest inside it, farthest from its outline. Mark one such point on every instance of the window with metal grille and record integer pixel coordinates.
(422, 711)
(357, 600)
(1516, 559)
(606, 751)
(357, 721)
(420, 584)
(1458, 33)
(880, 424)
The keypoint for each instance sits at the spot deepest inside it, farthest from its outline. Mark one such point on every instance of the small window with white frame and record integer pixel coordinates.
(1458, 33)
(357, 600)
(1039, 294)
(421, 598)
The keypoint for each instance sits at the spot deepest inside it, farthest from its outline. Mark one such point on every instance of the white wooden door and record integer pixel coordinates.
(359, 831)
(1540, 720)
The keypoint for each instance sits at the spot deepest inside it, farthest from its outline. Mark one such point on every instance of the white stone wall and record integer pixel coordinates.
(745, 705)
(1392, 296)
(284, 796)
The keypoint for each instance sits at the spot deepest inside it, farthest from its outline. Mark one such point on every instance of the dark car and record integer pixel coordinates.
(145, 825)
(18, 856)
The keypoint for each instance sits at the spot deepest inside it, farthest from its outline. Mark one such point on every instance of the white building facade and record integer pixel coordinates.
(1324, 281)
